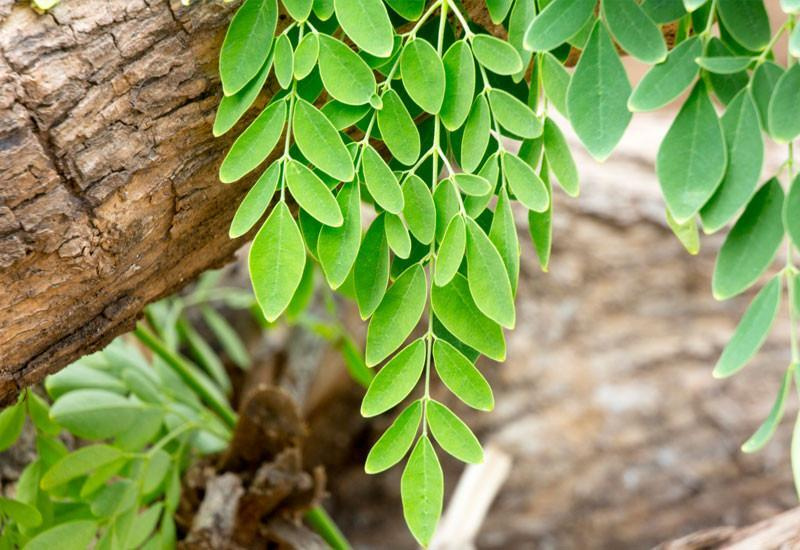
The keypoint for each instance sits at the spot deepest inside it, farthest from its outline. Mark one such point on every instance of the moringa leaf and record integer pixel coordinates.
(747, 21)
(514, 115)
(337, 247)
(667, 80)
(461, 377)
(398, 130)
(418, 209)
(367, 24)
(422, 491)
(488, 278)
(284, 61)
(70, 535)
(247, 43)
(423, 74)
(767, 429)
(232, 107)
(472, 184)
(765, 77)
(555, 79)
(497, 55)
(559, 158)
(299, 10)
(254, 144)
(452, 434)
(94, 414)
(397, 236)
(255, 203)
(724, 64)
(459, 72)
(12, 419)
(557, 22)
(634, 30)
(381, 182)
(526, 185)
(784, 107)
(305, 56)
(312, 195)
(395, 380)
(503, 234)
(371, 271)
(451, 251)
(476, 134)
(346, 76)
(320, 142)
(395, 441)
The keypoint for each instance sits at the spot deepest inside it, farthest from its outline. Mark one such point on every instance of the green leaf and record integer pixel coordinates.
(114, 499)
(344, 74)
(256, 201)
(490, 171)
(452, 434)
(247, 43)
(305, 56)
(312, 194)
(254, 144)
(408, 9)
(398, 314)
(784, 107)
(284, 61)
(395, 441)
(39, 411)
(80, 376)
(559, 158)
(422, 491)
(503, 234)
(367, 24)
(521, 17)
(767, 429)
(724, 64)
(277, 258)
(371, 271)
(514, 115)
(472, 184)
(397, 236)
(526, 185)
(745, 148)
(299, 10)
(418, 209)
(23, 514)
(747, 22)
(752, 243)
(497, 55)
(398, 130)
(395, 380)
(555, 79)
(498, 9)
(791, 212)
(451, 251)
(320, 142)
(423, 74)
(687, 233)
(94, 414)
(455, 308)
(725, 86)
(664, 11)
(72, 535)
(752, 331)
(459, 73)
(692, 158)
(227, 336)
(447, 200)
(597, 97)
(634, 30)
(488, 278)
(144, 525)
(667, 80)
(232, 107)
(78, 463)
(12, 419)
(381, 181)
(762, 85)
(322, 9)
(557, 22)
(461, 377)
(337, 247)
(343, 116)
(477, 131)
(540, 225)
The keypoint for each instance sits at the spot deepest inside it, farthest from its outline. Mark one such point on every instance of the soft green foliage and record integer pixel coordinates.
(398, 154)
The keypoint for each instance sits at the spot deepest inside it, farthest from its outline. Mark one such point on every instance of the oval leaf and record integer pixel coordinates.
(247, 43)
(459, 71)
(488, 278)
(398, 130)
(395, 441)
(320, 142)
(423, 74)
(526, 185)
(497, 55)
(666, 81)
(256, 201)
(337, 247)
(395, 380)
(367, 24)
(344, 74)
(461, 377)
(452, 434)
(254, 144)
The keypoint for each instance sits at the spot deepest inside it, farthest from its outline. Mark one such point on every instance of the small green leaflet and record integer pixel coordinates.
(395, 380)
(767, 429)
(337, 247)
(598, 94)
(745, 147)
(399, 312)
(498, 9)
(557, 22)
(692, 158)
(747, 21)
(254, 144)
(422, 491)
(344, 74)
(71, 535)
(397, 236)
(762, 84)
(540, 225)
(256, 201)
(320, 142)
(452, 434)
(25, 515)
(503, 234)
(471, 184)
(514, 115)
(555, 79)
(12, 419)
(247, 43)
(299, 10)
(784, 106)
(724, 86)
(305, 56)
(664, 11)
(451, 251)
(724, 64)
(687, 233)
(666, 81)
(418, 209)
(398, 130)
(488, 278)
(461, 377)
(423, 74)
(342, 116)
(559, 158)
(395, 441)
(312, 194)
(381, 182)
(522, 15)
(367, 24)
(459, 72)
(476, 134)
(277, 259)
(232, 107)
(497, 55)
(284, 61)
(634, 30)
(752, 243)
(371, 271)
(752, 331)
(408, 9)
(526, 185)
(455, 308)
(81, 376)
(94, 414)
(791, 212)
